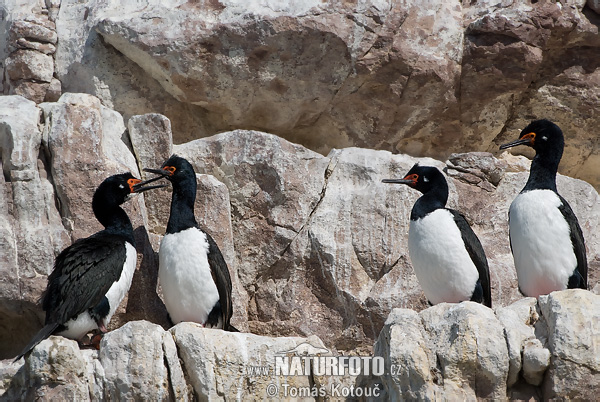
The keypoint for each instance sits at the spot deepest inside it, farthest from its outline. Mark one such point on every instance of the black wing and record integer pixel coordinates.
(220, 274)
(476, 253)
(83, 273)
(578, 244)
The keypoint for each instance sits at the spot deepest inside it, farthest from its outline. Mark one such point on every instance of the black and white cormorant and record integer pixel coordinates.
(447, 257)
(193, 275)
(545, 237)
(91, 276)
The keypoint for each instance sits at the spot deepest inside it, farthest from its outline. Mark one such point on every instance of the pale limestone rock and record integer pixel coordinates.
(273, 186)
(216, 362)
(56, 369)
(468, 341)
(139, 363)
(32, 230)
(32, 90)
(518, 320)
(46, 48)
(572, 317)
(408, 358)
(449, 351)
(536, 360)
(349, 230)
(381, 82)
(85, 145)
(152, 143)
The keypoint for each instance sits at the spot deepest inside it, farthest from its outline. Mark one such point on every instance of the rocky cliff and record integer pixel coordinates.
(427, 78)
(316, 246)
(315, 242)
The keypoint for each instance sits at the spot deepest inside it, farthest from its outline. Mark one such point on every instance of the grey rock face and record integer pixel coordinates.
(300, 231)
(423, 78)
(465, 352)
(449, 351)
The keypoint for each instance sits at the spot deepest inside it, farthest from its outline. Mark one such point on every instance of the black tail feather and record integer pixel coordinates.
(40, 336)
(231, 328)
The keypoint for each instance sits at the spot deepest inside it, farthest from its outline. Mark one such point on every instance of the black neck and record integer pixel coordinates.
(114, 220)
(542, 175)
(182, 206)
(435, 198)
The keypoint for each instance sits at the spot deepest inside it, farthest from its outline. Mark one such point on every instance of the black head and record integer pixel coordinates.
(117, 189)
(175, 169)
(541, 135)
(421, 178)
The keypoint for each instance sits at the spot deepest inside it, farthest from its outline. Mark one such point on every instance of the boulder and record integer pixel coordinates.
(573, 339)
(449, 351)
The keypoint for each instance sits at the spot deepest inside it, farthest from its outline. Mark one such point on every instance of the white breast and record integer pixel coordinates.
(185, 277)
(441, 262)
(83, 323)
(541, 243)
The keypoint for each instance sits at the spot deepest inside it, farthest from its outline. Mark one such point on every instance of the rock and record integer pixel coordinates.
(32, 231)
(300, 231)
(518, 320)
(140, 362)
(469, 345)
(573, 338)
(46, 48)
(383, 85)
(56, 369)
(459, 351)
(34, 29)
(256, 174)
(54, 91)
(217, 362)
(34, 91)
(446, 351)
(454, 351)
(28, 64)
(152, 143)
(405, 344)
(31, 42)
(536, 360)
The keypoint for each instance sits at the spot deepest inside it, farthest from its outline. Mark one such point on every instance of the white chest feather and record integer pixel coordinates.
(541, 243)
(442, 264)
(83, 323)
(189, 290)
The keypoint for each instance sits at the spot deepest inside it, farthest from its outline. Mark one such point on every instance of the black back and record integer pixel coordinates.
(473, 245)
(220, 274)
(579, 277)
(83, 273)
